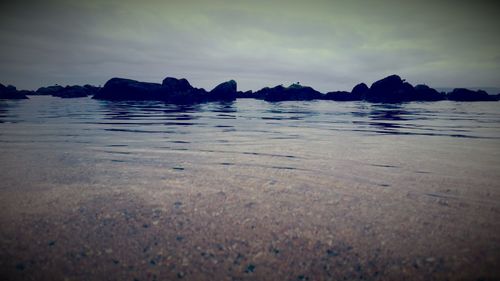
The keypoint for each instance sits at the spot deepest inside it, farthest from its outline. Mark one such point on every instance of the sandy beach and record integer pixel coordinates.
(219, 204)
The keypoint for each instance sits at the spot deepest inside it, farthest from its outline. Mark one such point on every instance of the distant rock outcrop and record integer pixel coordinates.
(49, 90)
(461, 94)
(26, 92)
(359, 91)
(341, 96)
(179, 91)
(171, 84)
(10, 92)
(68, 91)
(224, 91)
(127, 89)
(77, 91)
(426, 93)
(393, 89)
(390, 89)
(172, 90)
(245, 95)
(293, 92)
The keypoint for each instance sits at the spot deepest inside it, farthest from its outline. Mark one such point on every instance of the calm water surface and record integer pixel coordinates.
(250, 190)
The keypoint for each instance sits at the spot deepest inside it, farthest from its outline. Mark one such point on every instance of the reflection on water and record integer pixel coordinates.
(7, 114)
(428, 119)
(475, 120)
(389, 113)
(147, 109)
(246, 189)
(288, 111)
(213, 133)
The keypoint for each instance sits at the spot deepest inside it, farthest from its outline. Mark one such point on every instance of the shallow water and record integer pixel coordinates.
(249, 190)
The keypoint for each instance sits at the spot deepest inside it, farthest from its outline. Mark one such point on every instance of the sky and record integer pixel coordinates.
(327, 44)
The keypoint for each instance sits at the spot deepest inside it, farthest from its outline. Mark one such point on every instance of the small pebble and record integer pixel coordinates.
(250, 268)
(332, 253)
(238, 259)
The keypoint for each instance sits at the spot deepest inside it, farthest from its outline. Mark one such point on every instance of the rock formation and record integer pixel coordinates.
(224, 91)
(341, 96)
(68, 91)
(172, 90)
(359, 91)
(10, 92)
(426, 93)
(293, 92)
(391, 89)
(460, 94)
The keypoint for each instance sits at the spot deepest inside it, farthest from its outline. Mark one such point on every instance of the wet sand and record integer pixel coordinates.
(334, 210)
(226, 223)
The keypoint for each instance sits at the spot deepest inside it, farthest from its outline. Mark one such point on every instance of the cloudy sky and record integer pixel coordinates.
(330, 45)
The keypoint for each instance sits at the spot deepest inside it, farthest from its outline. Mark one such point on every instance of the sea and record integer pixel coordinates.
(249, 190)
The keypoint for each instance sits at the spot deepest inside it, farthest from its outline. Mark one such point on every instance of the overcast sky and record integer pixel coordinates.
(330, 45)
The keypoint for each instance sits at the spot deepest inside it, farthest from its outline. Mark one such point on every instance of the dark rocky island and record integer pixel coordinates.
(341, 96)
(461, 94)
(395, 89)
(68, 91)
(10, 92)
(391, 89)
(171, 90)
(293, 92)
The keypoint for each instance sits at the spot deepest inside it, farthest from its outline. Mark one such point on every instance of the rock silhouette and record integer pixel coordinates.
(68, 91)
(391, 89)
(426, 93)
(341, 96)
(245, 95)
(460, 94)
(359, 91)
(171, 84)
(127, 89)
(10, 92)
(172, 90)
(179, 91)
(49, 90)
(225, 91)
(293, 92)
